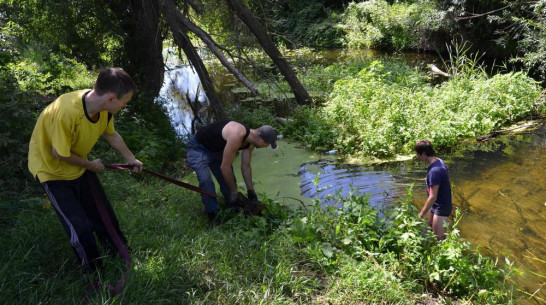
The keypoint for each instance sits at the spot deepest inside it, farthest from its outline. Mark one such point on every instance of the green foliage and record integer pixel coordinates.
(527, 29)
(397, 248)
(320, 79)
(85, 30)
(19, 112)
(292, 23)
(308, 127)
(48, 73)
(306, 22)
(385, 107)
(398, 26)
(218, 20)
(41, 58)
(253, 115)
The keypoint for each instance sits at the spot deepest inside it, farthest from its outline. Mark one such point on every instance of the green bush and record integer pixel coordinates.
(398, 26)
(18, 110)
(394, 247)
(385, 107)
(47, 73)
(253, 116)
(306, 23)
(306, 126)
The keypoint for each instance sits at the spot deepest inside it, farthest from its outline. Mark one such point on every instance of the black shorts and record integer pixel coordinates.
(441, 210)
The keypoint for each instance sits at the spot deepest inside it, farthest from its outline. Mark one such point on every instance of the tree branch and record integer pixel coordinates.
(253, 24)
(205, 37)
(472, 16)
(170, 12)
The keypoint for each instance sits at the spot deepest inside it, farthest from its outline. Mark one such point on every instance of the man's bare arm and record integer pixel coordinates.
(433, 194)
(94, 166)
(246, 168)
(233, 133)
(118, 144)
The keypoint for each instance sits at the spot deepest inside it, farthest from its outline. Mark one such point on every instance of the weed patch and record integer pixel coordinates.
(379, 108)
(349, 254)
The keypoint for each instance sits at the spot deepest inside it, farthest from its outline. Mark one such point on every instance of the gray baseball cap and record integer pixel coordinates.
(268, 134)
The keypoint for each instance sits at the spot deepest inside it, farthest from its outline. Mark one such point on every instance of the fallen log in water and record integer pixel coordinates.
(514, 129)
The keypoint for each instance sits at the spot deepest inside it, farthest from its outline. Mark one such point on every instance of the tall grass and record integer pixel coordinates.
(319, 255)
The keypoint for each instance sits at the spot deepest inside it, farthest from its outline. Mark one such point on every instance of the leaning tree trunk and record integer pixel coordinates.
(183, 41)
(186, 25)
(301, 95)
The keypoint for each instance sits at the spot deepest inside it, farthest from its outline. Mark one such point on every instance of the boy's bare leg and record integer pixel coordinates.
(438, 226)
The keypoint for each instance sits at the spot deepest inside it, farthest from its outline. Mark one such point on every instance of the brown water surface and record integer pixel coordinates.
(503, 198)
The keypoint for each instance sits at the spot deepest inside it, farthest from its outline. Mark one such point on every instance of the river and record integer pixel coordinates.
(499, 185)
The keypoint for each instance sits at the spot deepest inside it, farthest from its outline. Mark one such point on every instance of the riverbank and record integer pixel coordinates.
(318, 255)
(498, 184)
(377, 109)
(347, 256)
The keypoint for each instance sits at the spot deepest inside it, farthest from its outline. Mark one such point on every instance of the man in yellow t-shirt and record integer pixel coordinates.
(65, 132)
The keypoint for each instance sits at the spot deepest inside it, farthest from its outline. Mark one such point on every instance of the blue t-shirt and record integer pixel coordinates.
(437, 174)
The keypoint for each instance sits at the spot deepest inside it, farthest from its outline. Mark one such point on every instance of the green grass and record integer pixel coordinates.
(314, 256)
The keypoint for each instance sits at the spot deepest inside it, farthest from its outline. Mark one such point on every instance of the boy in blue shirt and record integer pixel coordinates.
(438, 188)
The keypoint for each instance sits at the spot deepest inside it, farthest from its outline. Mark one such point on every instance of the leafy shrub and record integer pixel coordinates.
(320, 79)
(47, 73)
(398, 26)
(385, 107)
(528, 31)
(307, 23)
(398, 245)
(313, 130)
(19, 112)
(253, 116)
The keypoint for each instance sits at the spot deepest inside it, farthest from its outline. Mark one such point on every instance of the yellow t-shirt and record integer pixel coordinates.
(65, 125)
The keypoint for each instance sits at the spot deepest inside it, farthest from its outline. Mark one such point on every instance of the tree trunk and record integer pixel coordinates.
(148, 39)
(143, 57)
(183, 41)
(248, 18)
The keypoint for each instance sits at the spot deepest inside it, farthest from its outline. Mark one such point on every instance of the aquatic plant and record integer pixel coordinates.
(400, 249)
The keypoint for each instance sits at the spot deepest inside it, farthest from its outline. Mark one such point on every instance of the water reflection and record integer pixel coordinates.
(183, 97)
(505, 199)
(338, 179)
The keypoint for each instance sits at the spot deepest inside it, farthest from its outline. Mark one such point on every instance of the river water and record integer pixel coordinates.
(499, 185)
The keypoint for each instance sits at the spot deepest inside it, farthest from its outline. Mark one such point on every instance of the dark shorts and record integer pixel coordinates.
(441, 210)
